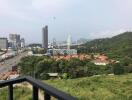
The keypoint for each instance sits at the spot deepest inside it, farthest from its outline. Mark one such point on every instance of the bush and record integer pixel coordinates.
(65, 76)
(118, 69)
(44, 76)
(128, 69)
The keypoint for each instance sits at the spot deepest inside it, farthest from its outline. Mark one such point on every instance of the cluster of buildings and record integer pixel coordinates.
(14, 42)
(67, 53)
(100, 59)
(69, 57)
(52, 50)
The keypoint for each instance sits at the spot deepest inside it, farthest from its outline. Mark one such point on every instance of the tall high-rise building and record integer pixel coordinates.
(45, 37)
(15, 40)
(14, 37)
(3, 43)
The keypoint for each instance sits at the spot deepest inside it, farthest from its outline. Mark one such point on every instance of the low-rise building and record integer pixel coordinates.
(53, 74)
(101, 57)
(100, 62)
(30, 53)
(54, 52)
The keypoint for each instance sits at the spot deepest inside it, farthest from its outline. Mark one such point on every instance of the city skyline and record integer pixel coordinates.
(82, 19)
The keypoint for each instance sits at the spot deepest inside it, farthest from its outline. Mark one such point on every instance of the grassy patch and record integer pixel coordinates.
(97, 88)
(20, 93)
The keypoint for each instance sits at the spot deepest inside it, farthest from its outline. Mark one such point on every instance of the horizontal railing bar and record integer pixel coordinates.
(12, 81)
(40, 85)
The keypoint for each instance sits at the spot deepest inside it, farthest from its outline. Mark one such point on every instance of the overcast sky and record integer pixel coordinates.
(80, 18)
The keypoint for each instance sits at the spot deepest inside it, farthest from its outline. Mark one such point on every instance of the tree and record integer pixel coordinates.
(118, 69)
(127, 61)
(128, 69)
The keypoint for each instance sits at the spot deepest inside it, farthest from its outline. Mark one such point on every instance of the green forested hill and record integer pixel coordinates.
(120, 45)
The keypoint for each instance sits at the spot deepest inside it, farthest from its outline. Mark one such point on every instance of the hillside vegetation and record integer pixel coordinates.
(38, 67)
(117, 46)
(97, 87)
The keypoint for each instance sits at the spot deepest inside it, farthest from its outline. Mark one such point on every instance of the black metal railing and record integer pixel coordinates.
(36, 84)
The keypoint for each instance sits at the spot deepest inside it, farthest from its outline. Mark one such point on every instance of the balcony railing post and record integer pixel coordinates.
(35, 93)
(10, 92)
(46, 96)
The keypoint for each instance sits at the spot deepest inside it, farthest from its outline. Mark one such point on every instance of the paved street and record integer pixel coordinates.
(7, 65)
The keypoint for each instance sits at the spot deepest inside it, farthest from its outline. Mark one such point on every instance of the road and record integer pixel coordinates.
(7, 65)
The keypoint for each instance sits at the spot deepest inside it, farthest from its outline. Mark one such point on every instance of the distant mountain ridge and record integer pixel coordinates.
(117, 45)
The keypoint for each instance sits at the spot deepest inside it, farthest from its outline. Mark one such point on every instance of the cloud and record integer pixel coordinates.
(48, 8)
(80, 16)
(9, 10)
(47, 5)
(29, 9)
